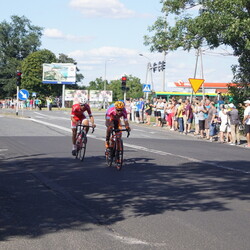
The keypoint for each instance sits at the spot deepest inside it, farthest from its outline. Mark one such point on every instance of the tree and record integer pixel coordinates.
(17, 40)
(32, 68)
(217, 22)
(134, 85)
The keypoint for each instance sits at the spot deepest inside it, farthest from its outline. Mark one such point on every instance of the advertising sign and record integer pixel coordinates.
(75, 95)
(100, 95)
(59, 73)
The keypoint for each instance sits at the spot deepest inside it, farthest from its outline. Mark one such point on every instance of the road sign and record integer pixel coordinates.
(23, 94)
(146, 88)
(196, 83)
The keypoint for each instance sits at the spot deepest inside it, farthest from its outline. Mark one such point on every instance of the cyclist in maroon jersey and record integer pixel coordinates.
(78, 117)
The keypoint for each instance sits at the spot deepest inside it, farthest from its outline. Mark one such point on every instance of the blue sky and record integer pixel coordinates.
(110, 32)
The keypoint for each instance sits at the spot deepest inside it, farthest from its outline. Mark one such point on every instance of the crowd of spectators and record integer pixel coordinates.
(206, 119)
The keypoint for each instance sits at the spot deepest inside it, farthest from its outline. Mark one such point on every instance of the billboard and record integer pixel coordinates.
(59, 73)
(100, 95)
(74, 95)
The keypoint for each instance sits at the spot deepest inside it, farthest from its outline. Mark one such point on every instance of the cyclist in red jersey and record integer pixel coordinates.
(113, 116)
(78, 117)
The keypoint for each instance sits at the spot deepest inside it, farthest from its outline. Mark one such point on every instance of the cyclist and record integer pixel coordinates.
(113, 115)
(78, 117)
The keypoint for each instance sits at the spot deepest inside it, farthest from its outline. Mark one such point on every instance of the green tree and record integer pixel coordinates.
(217, 22)
(32, 68)
(98, 84)
(18, 39)
(134, 85)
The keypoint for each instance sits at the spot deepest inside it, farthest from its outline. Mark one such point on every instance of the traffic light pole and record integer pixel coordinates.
(17, 101)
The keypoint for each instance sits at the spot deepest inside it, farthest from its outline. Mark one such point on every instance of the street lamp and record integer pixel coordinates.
(105, 71)
(149, 69)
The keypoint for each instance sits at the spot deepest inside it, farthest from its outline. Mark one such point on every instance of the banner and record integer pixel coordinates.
(100, 96)
(74, 95)
(59, 73)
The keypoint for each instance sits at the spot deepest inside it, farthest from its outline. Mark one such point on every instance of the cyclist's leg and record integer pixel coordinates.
(85, 122)
(109, 124)
(73, 127)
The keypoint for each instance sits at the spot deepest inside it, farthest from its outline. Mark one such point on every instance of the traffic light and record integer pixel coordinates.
(163, 65)
(159, 66)
(154, 67)
(124, 82)
(18, 78)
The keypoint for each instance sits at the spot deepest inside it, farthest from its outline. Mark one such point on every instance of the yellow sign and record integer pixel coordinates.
(196, 83)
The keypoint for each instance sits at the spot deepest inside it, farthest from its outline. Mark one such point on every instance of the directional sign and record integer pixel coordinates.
(23, 94)
(146, 88)
(196, 83)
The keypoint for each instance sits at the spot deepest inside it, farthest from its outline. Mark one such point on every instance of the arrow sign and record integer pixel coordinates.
(196, 83)
(23, 94)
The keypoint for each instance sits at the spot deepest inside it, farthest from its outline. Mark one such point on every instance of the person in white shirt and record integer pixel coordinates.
(246, 121)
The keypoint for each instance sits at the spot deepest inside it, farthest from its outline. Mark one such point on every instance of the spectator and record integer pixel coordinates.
(223, 123)
(148, 111)
(211, 121)
(179, 115)
(246, 121)
(189, 116)
(201, 116)
(196, 118)
(233, 115)
(207, 105)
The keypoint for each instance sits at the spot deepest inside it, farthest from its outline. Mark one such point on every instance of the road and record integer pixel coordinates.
(174, 192)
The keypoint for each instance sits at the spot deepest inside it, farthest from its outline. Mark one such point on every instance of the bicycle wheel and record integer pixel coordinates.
(109, 156)
(78, 145)
(119, 156)
(83, 147)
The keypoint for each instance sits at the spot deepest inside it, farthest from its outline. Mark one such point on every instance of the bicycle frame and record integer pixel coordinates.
(81, 141)
(116, 149)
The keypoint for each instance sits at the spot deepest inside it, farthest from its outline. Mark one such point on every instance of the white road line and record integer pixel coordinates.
(134, 241)
(214, 164)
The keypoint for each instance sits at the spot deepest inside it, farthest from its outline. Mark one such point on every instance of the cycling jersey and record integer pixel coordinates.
(112, 115)
(78, 114)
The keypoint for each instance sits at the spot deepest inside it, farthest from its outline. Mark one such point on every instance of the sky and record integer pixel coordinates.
(105, 37)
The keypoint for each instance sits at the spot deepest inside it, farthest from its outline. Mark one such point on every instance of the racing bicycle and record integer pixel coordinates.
(81, 141)
(115, 151)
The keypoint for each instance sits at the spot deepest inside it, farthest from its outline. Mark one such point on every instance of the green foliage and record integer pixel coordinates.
(32, 68)
(17, 40)
(133, 83)
(217, 22)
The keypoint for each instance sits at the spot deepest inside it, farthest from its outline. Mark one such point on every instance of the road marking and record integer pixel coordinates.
(134, 241)
(3, 149)
(214, 164)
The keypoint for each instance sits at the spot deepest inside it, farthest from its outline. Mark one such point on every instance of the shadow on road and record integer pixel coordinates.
(43, 195)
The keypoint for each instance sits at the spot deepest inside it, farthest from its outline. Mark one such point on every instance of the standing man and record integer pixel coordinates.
(246, 121)
(78, 117)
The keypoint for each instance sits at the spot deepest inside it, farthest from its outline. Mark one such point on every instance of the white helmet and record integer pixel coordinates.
(82, 101)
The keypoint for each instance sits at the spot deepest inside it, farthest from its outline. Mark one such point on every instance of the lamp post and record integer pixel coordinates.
(105, 71)
(105, 82)
(149, 69)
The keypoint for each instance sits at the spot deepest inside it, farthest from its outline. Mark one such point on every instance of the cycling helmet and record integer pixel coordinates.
(119, 105)
(82, 101)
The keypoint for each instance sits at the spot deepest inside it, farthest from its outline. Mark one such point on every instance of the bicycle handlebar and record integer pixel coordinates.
(120, 130)
(84, 126)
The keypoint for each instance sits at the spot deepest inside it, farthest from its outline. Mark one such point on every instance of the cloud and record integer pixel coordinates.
(57, 34)
(102, 8)
(104, 52)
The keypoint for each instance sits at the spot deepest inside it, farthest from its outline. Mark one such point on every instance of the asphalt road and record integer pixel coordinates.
(174, 192)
